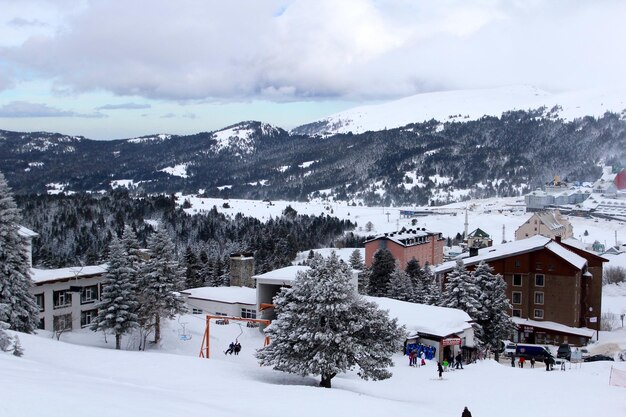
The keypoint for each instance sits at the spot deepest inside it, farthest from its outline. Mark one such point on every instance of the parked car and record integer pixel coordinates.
(528, 351)
(564, 351)
(595, 358)
(584, 353)
(509, 349)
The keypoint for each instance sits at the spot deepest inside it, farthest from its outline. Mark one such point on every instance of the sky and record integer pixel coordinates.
(108, 69)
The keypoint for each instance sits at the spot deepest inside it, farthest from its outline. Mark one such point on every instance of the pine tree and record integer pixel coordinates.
(193, 279)
(117, 311)
(400, 287)
(161, 278)
(20, 312)
(418, 281)
(493, 318)
(356, 261)
(17, 348)
(324, 328)
(382, 267)
(432, 288)
(460, 291)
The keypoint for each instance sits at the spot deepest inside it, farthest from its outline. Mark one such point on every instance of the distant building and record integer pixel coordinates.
(421, 244)
(479, 239)
(547, 281)
(606, 184)
(541, 200)
(222, 301)
(550, 224)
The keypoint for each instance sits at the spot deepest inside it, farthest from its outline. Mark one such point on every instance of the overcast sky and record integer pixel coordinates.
(111, 69)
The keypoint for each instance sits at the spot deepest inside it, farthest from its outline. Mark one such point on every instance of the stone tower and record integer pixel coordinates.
(241, 269)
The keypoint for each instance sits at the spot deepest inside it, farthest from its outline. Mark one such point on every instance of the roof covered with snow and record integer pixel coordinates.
(282, 274)
(557, 327)
(407, 237)
(233, 295)
(46, 275)
(26, 232)
(423, 318)
(513, 248)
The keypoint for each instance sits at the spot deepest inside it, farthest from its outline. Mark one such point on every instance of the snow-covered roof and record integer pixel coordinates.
(557, 327)
(497, 252)
(45, 275)
(26, 232)
(233, 295)
(550, 220)
(287, 273)
(405, 238)
(423, 318)
(569, 256)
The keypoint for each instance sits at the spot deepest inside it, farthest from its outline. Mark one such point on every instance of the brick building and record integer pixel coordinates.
(425, 246)
(547, 280)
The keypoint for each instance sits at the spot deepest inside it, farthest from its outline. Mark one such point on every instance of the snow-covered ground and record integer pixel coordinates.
(83, 375)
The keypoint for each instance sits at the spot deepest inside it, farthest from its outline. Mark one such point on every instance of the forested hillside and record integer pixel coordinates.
(77, 229)
(423, 163)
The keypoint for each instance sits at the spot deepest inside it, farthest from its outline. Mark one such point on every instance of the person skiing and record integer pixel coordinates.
(521, 362)
(532, 362)
(439, 369)
(459, 361)
(466, 413)
(513, 361)
(411, 357)
(422, 358)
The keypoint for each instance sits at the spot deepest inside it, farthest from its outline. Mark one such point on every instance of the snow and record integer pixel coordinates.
(437, 321)
(574, 259)
(241, 295)
(343, 254)
(306, 164)
(72, 377)
(146, 139)
(285, 274)
(179, 170)
(224, 187)
(44, 275)
(464, 105)
(123, 184)
(26, 232)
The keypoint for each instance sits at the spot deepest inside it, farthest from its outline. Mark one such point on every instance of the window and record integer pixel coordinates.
(89, 294)
(517, 280)
(87, 316)
(517, 297)
(517, 312)
(196, 311)
(538, 266)
(539, 280)
(42, 324)
(61, 298)
(518, 263)
(550, 267)
(538, 313)
(538, 297)
(62, 322)
(217, 313)
(39, 298)
(247, 313)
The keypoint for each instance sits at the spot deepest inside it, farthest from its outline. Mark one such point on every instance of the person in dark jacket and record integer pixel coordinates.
(439, 369)
(466, 413)
(459, 361)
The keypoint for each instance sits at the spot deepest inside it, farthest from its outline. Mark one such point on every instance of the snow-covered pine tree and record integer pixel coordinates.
(216, 277)
(383, 265)
(21, 312)
(432, 287)
(400, 286)
(364, 280)
(5, 338)
(325, 328)
(18, 350)
(356, 260)
(460, 291)
(161, 277)
(418, 280)
(117, 311)
(494, 319)
(193, 279)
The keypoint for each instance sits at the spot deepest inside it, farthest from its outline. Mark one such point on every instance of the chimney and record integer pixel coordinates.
(473, 252)
(557, 238)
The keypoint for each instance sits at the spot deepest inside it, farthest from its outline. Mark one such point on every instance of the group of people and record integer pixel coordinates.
(522, 361)
(455, 362)
(417, 358)
(428, 351)
(234, 347)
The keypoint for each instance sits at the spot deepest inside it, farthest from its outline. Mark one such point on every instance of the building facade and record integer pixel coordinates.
(425, 246)
(550, 224)
(546, 280)
(67, 297)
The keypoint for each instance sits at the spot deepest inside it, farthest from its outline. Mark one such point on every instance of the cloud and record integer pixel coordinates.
(168, 116)
(124, 106)
(20, 21)
(20, 109)
(310, 50)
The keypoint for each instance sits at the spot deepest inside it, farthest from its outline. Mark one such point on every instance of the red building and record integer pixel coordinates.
(620, 180)
(425, 246)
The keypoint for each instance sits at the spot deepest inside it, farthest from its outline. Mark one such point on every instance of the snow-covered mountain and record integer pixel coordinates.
(241, 138)
(464, 105)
